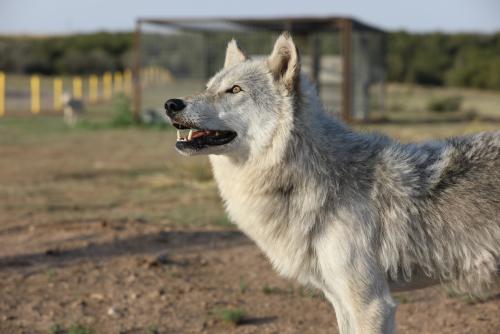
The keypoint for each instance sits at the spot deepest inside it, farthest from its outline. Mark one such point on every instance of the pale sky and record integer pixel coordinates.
(68, 16)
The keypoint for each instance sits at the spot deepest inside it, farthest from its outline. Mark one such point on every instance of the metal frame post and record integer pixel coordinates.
(346, 46)
(136, 72)
(315, 47)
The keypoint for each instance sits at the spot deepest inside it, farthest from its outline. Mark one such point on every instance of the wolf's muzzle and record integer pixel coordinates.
(173, 106)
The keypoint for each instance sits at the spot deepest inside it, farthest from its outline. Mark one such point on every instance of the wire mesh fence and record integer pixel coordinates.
(350, 76)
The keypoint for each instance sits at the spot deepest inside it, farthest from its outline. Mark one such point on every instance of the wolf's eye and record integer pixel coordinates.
(234, 90)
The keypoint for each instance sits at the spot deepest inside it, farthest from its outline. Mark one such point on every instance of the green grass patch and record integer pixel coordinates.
(231, 315)
(22, 129)
(152, 329)
(56, 329)
(122, 113)
(121, 116)
(271, 290)
(445, 104)
(222, 221)
(79, 329)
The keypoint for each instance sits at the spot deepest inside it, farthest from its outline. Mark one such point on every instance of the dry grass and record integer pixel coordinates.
(55, 173)
(412, 101)
(90, 210)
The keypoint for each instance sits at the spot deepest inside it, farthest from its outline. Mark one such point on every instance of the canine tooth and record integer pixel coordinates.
(190, 135)
(216, 133)
(178, 135)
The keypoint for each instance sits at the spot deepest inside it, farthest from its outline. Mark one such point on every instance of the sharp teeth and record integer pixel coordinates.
(178, 135)
(216, 133)
(190, 135)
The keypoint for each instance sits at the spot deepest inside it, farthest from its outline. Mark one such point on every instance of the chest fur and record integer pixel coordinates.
(277, 219)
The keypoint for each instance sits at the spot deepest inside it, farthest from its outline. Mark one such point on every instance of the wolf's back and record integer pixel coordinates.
(440, 210)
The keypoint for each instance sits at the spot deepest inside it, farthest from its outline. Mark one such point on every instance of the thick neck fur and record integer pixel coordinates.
(321, 139)
(278, 196)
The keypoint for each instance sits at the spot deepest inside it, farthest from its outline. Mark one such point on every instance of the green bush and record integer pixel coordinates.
(122, 113)
(445, 104)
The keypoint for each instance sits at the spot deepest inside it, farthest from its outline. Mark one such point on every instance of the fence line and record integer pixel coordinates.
(46, 93)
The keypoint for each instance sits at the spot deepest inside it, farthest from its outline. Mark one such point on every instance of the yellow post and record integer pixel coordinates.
(77, 88)
(127, 81)
(107, 82)
(35, 94)
(2, 94)
(93, 88)
(118, 82)
(58, 89)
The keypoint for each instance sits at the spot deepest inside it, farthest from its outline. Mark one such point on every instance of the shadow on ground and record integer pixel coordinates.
(434, 120)
(148, 244)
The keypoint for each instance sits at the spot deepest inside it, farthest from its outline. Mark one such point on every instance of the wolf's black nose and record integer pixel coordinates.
(173, 106)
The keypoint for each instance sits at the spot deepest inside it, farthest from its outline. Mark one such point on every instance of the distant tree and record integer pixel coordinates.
(401, 47)
(72, 54)
(467, 60)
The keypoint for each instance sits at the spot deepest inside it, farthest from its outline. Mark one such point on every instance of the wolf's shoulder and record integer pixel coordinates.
(427, 166)
(470, 156)
(477, 148)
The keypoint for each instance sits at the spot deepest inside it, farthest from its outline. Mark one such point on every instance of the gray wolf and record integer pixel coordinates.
(354, 215)
(72, 109)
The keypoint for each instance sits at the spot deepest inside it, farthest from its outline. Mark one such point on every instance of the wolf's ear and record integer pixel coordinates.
(284, 61)
(233, 54)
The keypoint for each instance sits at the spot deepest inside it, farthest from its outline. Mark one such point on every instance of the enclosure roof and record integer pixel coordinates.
(292, 24)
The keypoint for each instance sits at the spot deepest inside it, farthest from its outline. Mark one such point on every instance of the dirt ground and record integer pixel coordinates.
(110, 231)
(134, 277)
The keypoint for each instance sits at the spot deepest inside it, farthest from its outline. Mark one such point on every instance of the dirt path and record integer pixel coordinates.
(137, 277)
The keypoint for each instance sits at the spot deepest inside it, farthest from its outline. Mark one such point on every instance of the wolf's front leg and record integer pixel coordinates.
(360, 313)
(357, 288)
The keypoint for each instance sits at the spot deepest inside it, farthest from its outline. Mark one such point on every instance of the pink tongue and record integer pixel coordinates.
(197, 134)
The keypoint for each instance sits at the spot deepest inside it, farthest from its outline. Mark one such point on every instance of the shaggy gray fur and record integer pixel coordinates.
(345, 211)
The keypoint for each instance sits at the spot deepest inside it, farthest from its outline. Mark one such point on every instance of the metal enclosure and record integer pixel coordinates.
(344, 57)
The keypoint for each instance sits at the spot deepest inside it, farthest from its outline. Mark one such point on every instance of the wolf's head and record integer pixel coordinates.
(244, 107)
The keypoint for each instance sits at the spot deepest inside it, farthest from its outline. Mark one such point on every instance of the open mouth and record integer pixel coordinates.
(192, 138)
